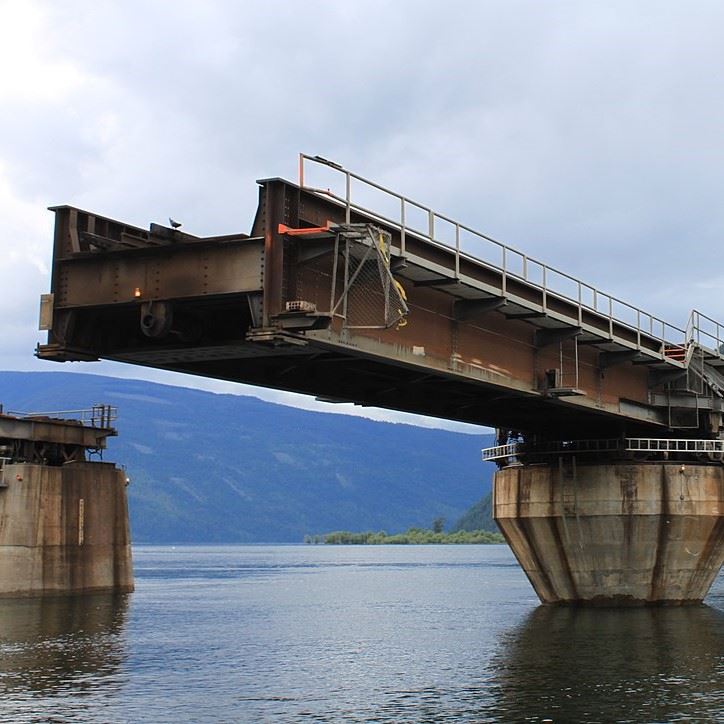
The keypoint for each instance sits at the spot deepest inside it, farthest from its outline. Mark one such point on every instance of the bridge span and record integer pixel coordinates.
(326, 297)
(351, 292)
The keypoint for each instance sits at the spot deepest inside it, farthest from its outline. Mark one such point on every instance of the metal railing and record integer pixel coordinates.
(501, 451)
(706, 332)
(628, 444)
(510, 262)
(666, 445)
(558, 447)
(100, 416)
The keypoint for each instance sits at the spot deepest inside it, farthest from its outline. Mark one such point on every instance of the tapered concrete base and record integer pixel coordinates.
(642, 533)
(64, 530)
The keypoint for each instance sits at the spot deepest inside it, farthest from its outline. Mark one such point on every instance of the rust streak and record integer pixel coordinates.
(555, 526)
(662, 538)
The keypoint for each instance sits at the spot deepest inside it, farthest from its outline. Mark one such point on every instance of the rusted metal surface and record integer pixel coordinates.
(476, 344)
(153, 268)
(45, 439)
(167, 274)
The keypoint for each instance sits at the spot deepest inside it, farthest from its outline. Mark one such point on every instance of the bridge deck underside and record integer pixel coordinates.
(336, 377)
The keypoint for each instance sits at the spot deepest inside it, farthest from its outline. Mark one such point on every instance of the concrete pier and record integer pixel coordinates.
(63, 520)
(614, 534)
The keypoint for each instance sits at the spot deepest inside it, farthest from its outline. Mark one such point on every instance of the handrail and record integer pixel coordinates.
(697, 328)
(602, 303)
(100, 416)
(627, 444)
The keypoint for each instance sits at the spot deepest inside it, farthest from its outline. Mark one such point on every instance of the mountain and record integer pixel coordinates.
(478, 517)
(216, 468)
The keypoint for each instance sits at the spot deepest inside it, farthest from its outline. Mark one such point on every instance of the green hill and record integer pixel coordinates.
(478, 517)
(217, 468)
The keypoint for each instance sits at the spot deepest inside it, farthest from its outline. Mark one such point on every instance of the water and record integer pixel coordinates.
(384, 634)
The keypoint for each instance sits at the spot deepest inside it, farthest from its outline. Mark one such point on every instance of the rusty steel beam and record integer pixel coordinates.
(48, 430)
(160, 273)
(544, 337)
(104, 268)
(611, 359)
(465, 309)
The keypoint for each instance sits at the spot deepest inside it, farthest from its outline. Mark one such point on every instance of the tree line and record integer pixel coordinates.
(412, 536)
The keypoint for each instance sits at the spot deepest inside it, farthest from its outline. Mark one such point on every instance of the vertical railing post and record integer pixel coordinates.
(504, 278)
(638, 328)
(610, 317)
(402, 226)
(346, 280)
(580, 307)
(431, 224)
(335, 264)
(457, 251)
(301, 170)
(348, 198)
(545, 287)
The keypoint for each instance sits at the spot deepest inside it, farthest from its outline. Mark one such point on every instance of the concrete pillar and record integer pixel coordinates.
(64, 529)
(614, 534)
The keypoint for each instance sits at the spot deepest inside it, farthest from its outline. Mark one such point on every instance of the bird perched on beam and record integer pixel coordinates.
(174, 224)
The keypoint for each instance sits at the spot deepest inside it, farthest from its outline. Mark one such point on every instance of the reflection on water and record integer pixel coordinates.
(614, 665)
(59, 645)
(385, 634)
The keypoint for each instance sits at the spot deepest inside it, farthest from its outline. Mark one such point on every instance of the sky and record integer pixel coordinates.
(587, 134)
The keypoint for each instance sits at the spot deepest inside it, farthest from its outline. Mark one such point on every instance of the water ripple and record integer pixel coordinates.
(368, 634)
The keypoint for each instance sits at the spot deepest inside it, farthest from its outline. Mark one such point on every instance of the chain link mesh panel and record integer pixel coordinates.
(371, 297)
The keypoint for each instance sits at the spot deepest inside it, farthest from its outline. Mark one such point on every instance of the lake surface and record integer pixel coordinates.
(326, 633)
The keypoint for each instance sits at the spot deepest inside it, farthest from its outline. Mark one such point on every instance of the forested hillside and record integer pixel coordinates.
(478, 517)
(225, 468)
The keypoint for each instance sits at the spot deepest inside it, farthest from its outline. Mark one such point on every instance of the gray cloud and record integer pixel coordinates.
(588, 135)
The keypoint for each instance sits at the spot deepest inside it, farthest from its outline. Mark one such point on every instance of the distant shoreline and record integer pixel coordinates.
(413, 536)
